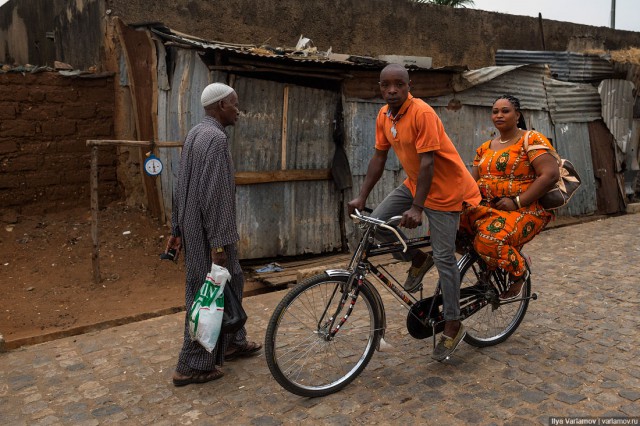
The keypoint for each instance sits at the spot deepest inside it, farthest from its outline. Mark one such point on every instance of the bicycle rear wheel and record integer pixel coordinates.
(301, 356)
(489, 321)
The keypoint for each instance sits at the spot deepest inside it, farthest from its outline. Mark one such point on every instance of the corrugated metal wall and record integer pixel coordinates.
(285, 218)
(179, 109)
(617, 109)
(572, 142)
(360, 137)
(572, 102)
(291, 218)
(274, 219)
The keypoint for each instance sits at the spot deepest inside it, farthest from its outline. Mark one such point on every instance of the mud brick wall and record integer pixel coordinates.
(45, 121)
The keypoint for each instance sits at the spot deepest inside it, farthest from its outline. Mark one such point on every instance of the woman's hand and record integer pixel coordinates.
(504, 203)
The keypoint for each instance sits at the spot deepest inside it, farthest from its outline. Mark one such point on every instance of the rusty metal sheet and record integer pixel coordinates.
(604, 168)
(525, 82)
(572, 142)
(257, 136)
(179, 109)
(364, 85)
(565, 66)
(288, 219)
(360, 135)
(617, 109)
(468, 127)
(572, 102)
(310, 125)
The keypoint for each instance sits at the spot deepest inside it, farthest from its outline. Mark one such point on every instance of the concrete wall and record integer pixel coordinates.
(368, 27)
(45, 120)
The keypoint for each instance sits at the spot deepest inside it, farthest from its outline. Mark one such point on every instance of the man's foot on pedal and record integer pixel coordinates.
(447, 345)
(416, 274)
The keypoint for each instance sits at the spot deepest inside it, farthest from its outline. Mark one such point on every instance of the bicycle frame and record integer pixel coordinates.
(360, 266)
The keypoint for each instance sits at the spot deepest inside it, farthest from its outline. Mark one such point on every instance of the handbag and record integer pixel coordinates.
(234, 316)
(566, 186)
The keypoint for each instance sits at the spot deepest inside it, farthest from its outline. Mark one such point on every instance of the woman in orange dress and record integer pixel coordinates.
(511, 181)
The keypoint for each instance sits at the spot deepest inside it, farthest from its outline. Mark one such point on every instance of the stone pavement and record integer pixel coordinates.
(575, 354)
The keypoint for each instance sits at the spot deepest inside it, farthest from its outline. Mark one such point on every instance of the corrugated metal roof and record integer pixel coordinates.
(307, 55)
(572, 102)
(565, 66)
(525, 82)
(617, 109)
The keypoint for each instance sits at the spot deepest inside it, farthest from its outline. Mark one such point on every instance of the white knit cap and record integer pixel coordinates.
(215, 92)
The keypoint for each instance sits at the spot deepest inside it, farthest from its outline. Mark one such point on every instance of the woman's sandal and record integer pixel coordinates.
(514, 291)
(201, 377)
(249, 349)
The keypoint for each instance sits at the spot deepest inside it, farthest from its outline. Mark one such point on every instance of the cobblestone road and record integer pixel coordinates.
(575, 354)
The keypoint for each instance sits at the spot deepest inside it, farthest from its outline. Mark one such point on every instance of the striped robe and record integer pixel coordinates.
(204, 215)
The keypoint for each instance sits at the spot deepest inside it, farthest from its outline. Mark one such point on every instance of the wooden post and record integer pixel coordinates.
(95, 258)
(285, 113)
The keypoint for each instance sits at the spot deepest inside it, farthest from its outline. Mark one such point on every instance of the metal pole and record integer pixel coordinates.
(613, 13)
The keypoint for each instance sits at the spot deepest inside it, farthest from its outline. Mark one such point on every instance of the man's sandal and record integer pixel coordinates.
(201, 377)
(235, 352)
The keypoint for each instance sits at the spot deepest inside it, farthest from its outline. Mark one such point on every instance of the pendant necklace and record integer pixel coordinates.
(394, 120)
(509, 140)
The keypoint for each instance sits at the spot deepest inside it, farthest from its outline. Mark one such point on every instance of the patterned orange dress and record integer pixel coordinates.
(499, 235)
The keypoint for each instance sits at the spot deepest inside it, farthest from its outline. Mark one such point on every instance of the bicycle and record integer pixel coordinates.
(324, 331)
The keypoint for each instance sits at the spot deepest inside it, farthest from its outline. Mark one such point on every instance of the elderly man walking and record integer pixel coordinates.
(204, 223)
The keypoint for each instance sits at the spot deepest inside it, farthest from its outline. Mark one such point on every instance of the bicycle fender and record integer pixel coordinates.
(376, 295)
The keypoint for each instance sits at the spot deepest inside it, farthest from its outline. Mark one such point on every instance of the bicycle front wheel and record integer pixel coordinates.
(302, 356)
(489, 321)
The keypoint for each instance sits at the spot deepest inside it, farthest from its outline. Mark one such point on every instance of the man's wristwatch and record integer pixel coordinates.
(220, 250)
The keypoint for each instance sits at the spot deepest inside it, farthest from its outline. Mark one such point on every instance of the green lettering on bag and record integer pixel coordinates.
(205, 298)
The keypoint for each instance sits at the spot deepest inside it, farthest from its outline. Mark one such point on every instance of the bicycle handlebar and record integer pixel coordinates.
(377, 222)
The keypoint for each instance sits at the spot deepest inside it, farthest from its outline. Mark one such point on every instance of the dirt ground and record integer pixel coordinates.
(47, 280)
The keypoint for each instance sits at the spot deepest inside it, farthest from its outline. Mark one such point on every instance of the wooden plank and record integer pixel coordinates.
(281, 281)
(142, 144)
(608, 196)
(290, 273)
(250, 178)
(95, 255)
(285, 112)
(140, 57)
(263, 70)
(242, 178)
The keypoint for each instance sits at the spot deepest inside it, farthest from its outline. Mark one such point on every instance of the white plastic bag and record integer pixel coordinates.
(205, 315)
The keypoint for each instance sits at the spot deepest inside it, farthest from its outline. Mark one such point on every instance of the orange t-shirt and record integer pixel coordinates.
(417, 129)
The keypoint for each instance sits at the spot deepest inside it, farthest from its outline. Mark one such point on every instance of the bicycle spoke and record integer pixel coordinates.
(496, 321)
(302, 354)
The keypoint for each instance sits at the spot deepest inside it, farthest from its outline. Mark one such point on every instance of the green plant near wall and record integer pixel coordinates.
(452, 3)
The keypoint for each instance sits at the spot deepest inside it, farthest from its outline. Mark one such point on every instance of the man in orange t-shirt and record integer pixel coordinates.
(437, 184)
